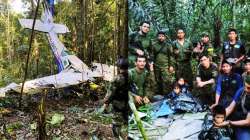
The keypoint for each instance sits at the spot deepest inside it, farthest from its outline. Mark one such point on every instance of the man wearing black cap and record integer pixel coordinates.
(234, 51)
(163, 66)
(239, 112)
(226, 86)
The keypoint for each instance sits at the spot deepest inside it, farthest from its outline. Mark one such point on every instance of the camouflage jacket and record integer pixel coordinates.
(118, 89)
(138, 41)
(144, 82)
(162, 53)
(185, 50)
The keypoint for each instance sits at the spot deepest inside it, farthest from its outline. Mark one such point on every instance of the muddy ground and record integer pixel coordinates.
(79, 117)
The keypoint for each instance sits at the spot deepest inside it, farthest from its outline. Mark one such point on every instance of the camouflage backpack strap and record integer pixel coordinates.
(175, 43)
(159, 51)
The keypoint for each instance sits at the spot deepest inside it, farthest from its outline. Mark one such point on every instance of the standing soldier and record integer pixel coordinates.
(139, 43)
(204, 47)
(163, 68)
(182, 49)
(234, 51)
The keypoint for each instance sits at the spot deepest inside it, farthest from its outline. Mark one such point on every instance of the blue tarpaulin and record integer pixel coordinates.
(161, 108)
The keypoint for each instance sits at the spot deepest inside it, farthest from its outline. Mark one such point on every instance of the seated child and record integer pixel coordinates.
(181, 100)
(183, 85)
(179, 87)
(210, 131)
(176, 91)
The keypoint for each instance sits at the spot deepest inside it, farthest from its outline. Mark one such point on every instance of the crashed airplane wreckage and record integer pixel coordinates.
(72, 70)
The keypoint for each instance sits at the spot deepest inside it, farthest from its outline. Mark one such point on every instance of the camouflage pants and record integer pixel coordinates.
(184, 70)
(121, 106)
(164, 80)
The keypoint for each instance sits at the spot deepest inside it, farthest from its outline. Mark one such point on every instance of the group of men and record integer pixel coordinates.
(156, 64)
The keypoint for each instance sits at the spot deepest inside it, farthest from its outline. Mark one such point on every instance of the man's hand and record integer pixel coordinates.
(212, 106)
(139, 52)
(201, 84)
(171, 69)
(225, 123)
(198, 48)
(151, 66)
(176, 51)
(138, 99)
(105, 106)
(146, 100)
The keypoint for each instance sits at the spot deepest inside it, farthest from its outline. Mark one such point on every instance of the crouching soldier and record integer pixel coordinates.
(227, 85)
(143, 80)
(118, 95)
(205, 80)
(238, 112)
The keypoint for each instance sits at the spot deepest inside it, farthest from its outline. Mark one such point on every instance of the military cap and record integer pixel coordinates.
(161, 32)
(205, 34)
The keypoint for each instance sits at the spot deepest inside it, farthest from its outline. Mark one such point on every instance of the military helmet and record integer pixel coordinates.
(122, 63)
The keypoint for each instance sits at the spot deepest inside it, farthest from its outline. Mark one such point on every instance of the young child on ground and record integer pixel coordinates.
(211, 131)
(183, 85)
(176, 91)
(181, 100)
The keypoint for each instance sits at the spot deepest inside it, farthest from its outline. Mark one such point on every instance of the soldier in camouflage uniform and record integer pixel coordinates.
(204, 47)
(183, 49)
(143, 80)
(163, 68)
(118, 94)
(139, 43)
(207, 73)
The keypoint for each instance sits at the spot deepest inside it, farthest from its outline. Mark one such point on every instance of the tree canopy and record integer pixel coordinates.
(195, 16)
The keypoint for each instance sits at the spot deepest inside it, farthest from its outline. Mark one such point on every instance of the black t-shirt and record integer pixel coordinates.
(207, 74)
(233, 50)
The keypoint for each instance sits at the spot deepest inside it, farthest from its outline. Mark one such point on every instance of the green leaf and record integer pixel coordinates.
(33, 126)
(57, 119)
